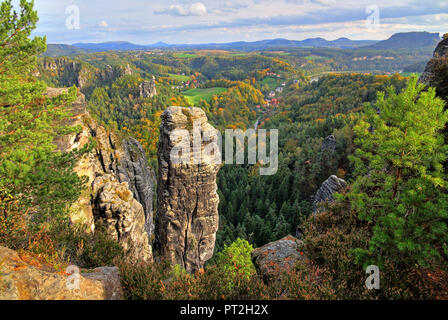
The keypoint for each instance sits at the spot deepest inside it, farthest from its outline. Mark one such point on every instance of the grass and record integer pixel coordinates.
(314, 57)
(178, 77)
(271, 82)
(186, 55)
(195, 95)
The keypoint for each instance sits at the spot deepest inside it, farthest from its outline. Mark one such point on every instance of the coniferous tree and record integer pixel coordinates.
(36, 182)
(401, 188)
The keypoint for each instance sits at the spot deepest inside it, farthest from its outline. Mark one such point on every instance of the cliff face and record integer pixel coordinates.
(440, 51)
(120, 187)
(187, 211)
(68, 72)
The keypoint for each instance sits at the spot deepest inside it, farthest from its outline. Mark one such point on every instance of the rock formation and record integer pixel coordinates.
(278, 257)
(327, 190)
(120, 187)
(127, 70)
(187, 211)
(148, 88)
(440, 51)
(115, 208)
(22, 278)
(329, 144)
(70, 72)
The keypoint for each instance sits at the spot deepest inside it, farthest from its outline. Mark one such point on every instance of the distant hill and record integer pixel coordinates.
(240, 45)
(55, 50)
(109, 46)
(408, 40)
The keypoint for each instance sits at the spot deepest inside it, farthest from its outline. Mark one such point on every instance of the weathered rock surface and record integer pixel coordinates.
(122, 215)
(148, 88)
(329, 144)
(110, 279)
(25, 279)
(440, 51)
(71, 72)
(327, 190)
(277, 258)
(121, 184)
(187, 212)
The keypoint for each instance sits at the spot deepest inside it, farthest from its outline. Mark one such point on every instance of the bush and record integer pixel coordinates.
(329, 241)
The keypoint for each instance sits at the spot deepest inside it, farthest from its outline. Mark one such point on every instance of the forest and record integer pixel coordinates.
(390, 147)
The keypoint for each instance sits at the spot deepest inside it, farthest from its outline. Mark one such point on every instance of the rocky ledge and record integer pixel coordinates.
(22, 278)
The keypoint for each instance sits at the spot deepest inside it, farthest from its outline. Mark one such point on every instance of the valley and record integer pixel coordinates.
(99, 178)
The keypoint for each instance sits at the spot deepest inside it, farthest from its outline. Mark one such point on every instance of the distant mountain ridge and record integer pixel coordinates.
(409, 40)
(238, 45)
(54, 50)
(108, 46)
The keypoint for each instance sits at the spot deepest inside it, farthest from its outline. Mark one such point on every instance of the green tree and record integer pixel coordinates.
(36, 182)
(235, 261)
(400, 188)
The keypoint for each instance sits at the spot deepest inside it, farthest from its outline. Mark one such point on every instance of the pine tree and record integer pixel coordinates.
(35, 180)
(400, 188)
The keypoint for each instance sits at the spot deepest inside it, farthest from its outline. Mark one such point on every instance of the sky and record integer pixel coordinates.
(206, 21)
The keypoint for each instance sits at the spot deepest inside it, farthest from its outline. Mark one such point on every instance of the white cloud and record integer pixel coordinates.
(103, 24)
(196, 9)
(326, 3)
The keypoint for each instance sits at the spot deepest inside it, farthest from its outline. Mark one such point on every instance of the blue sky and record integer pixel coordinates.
(185, 21)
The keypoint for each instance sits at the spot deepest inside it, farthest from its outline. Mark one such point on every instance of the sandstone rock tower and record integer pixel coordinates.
(148, 88)
(187, 210)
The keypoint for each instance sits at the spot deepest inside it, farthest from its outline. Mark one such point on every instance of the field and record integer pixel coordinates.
(195, 95)
(178, 77)
(186, 55)
(315, 57)
(271, 82)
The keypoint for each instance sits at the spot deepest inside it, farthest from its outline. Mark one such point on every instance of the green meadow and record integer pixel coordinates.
(186, 55)
(195, 95)
(178, 77)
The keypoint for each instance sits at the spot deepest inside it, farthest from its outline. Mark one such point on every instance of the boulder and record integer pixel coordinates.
(277, 258)
(325, 193)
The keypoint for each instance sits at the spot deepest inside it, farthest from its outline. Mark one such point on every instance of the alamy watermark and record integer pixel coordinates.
(206, 147)
(73, 280)
(72, 22)
(373, 20)
(373, 280)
